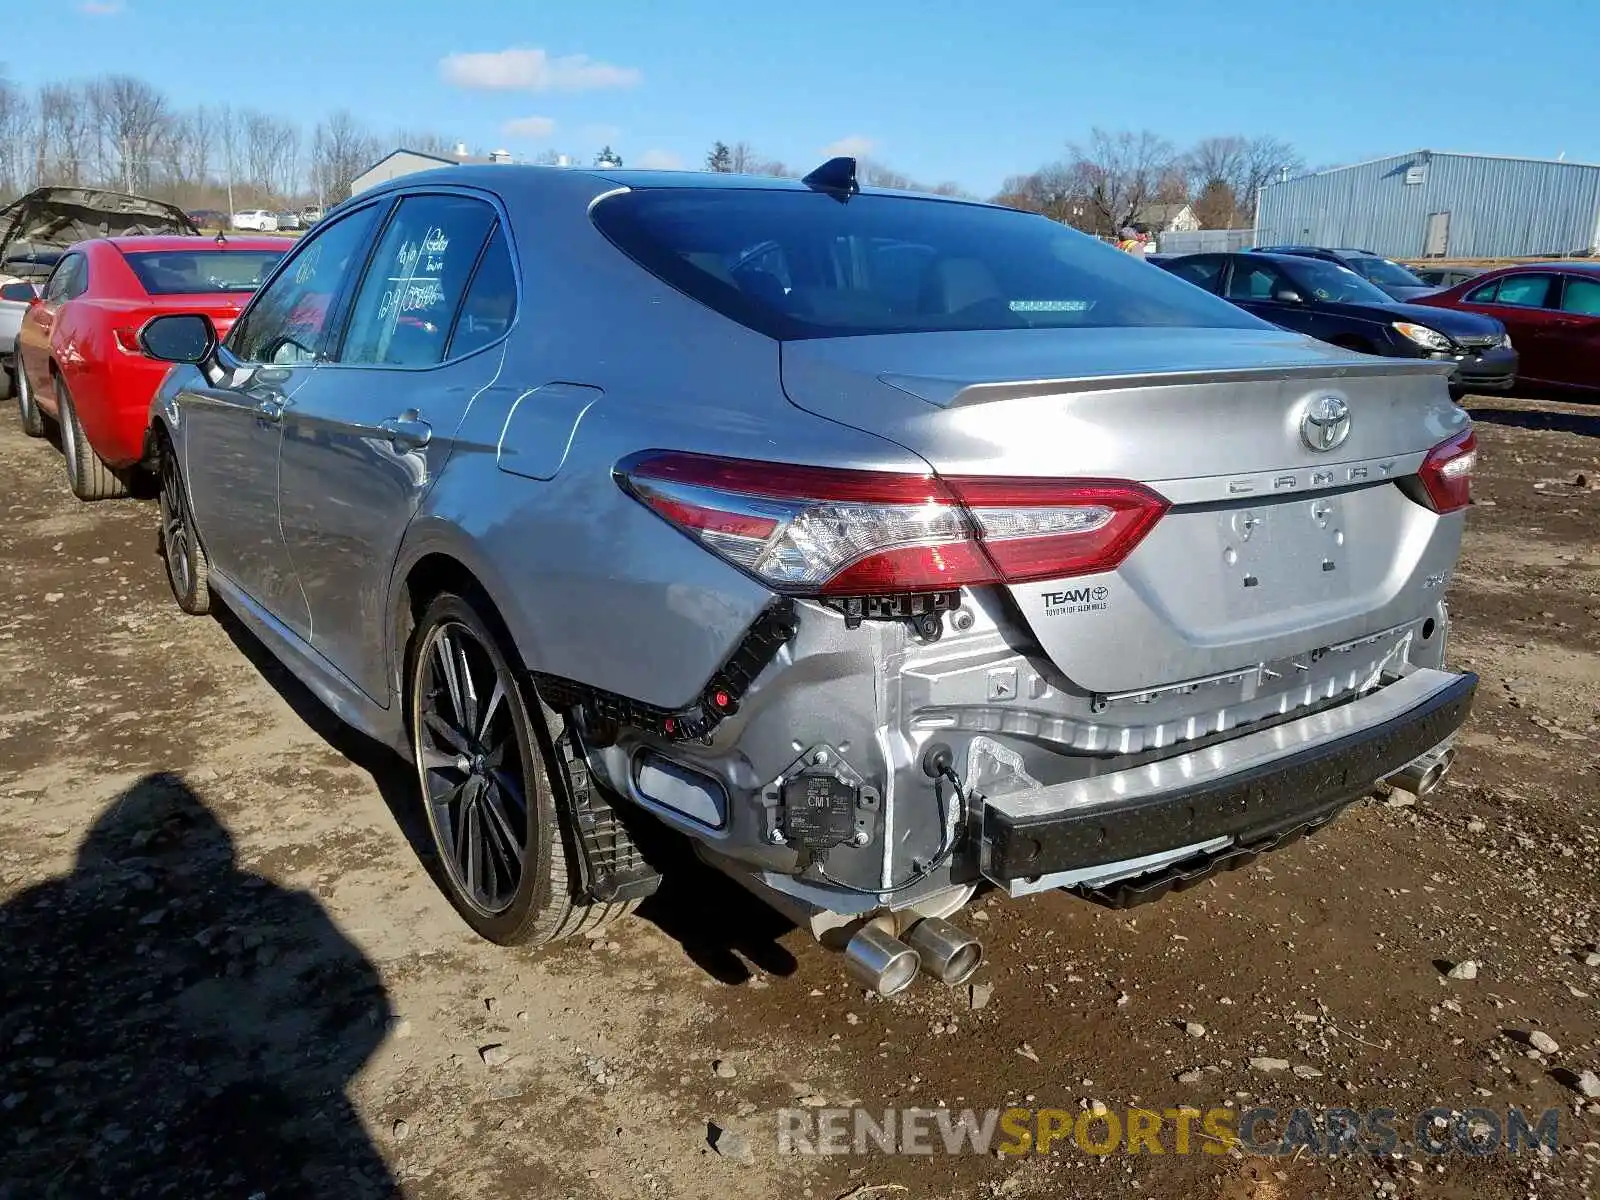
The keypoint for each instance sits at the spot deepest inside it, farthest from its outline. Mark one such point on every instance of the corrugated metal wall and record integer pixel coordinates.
(1204, 241)
(1499, 207)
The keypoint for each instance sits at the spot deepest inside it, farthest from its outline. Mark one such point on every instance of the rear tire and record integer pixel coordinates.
(87, 473)
(504, 842)
(28, 408)
(188, 569)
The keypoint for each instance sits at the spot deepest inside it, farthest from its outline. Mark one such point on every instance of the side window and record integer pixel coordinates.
(288, 321)
(64, 280)
(1483, 295)
(79, 283)
(1202, 271)
(1254, 281)
(491, 300)
(1525, 291)
(1581, 296)
(417, 278)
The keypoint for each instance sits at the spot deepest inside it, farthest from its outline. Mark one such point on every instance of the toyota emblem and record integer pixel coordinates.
(1326, 423)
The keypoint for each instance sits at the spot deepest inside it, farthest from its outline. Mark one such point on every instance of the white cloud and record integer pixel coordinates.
(857, 145)
(101, 8)
(530, 69)
(660, 160)
(529, 127)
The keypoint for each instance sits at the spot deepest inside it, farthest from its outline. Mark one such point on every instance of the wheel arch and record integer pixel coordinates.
(436, 557)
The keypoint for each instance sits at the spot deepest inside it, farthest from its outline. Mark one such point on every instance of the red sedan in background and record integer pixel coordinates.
(78, 356)
(1550, 309)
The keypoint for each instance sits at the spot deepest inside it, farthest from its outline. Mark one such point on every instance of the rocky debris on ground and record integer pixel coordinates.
(979, 995)
(723, 1069)
(1269, 1064)
(1542, 1042)
(1466, 970)
(729, 1142)
(494, 1055)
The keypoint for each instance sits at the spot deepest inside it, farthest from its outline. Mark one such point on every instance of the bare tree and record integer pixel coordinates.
(65, 135)
(1243, 166)
(17, 134)
(1266, 160)
(340, 150)
(130, 122)
(743, 159)
(1055, 190)
(271, 151)
(1119, 173)
(427, 142)
(192, 136)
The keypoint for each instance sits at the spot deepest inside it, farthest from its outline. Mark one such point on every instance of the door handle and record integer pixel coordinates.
(270, 411)
(407, 431)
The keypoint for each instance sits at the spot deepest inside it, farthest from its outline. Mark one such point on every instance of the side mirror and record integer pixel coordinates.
(25, 292)
(179, 338)
(1288, 296)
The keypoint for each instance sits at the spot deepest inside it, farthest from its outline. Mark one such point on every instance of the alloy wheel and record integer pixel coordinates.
(175, 528)
(470, 759)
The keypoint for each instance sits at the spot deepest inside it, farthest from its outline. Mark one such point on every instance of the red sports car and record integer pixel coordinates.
(78, 356)
(1550, 309)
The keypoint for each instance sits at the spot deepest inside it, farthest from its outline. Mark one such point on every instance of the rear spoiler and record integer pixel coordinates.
(956, 393)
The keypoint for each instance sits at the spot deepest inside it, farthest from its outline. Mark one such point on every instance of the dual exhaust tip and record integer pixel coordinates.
(888, 965)
(1424, 774)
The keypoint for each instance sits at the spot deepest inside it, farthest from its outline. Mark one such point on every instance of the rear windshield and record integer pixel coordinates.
(1333, 283)
(795, 264)
(1383, 272)
(190, 272)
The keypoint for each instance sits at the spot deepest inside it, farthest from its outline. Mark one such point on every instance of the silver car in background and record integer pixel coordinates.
(888, 547)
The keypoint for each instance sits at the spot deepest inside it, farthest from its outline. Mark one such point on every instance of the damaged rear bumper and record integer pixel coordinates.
(1257, 787)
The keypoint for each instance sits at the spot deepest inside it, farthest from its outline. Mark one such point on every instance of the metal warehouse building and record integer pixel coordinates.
(1429, 204)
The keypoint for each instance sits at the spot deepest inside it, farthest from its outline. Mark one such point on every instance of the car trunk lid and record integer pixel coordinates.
(1271, 549)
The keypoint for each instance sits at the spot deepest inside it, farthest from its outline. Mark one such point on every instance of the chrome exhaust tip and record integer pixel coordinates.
(881, 961)
(949, 954)
(1422, 775)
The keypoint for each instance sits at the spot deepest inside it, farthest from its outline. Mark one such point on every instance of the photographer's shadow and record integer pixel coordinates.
(172, 1025)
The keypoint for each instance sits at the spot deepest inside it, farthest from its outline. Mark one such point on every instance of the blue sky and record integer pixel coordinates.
(939, 89)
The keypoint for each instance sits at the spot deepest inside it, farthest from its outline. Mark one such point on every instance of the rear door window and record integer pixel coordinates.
(795, 263)
(1581, 295)
(1202, 271)
(1525, 291)
(490, 304)
(1483, 295)
(1256, 281)
(415, 282)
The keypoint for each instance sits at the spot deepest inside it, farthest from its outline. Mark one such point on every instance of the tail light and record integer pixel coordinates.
(1446, 473)
(820, 531)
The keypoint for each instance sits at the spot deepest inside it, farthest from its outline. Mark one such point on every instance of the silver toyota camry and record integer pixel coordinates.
(889, 547)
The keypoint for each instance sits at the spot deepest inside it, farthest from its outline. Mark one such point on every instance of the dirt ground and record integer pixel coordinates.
(224, 972)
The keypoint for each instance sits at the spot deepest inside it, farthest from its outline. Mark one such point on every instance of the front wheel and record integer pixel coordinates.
(480, 753)
(188, 569)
